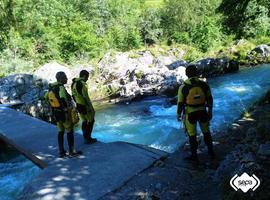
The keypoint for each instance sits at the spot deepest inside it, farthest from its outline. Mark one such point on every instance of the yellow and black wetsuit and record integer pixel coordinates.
(195, 101)
(84, 106)
(61, 115)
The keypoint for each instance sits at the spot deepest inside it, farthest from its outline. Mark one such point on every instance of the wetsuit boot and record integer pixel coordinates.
(90, 126)
(193, 148)
(209, 143)
(85, 132)
(70, 139)
(62, 152)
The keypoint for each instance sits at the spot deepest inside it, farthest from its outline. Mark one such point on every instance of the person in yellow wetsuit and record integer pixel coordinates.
(60, 102)
(84, 105)
(195, 103)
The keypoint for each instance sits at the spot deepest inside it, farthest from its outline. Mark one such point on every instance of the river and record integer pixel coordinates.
(152, 122)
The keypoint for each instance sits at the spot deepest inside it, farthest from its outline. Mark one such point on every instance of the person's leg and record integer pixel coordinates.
(85, 131)
(90, 129)
(86, 128)
(209, 143)
(190, 124)
(204, 125)
(70, 138)
(60, 139)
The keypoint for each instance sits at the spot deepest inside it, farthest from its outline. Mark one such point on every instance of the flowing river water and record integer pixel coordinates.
(152, 122)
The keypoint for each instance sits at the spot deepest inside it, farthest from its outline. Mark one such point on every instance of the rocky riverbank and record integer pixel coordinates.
(245, 147)
(119, 77)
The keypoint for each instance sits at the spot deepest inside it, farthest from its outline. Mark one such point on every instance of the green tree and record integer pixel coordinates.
(207, 33)
(79, 40)
(150, 26)
(257, 20)
(246, 17)
(181, 18)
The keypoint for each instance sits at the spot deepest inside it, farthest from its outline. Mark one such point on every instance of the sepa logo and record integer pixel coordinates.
(245, 182)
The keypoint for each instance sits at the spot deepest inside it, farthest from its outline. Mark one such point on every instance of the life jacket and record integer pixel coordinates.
(53, 96)
(194, 94)
(76, 88)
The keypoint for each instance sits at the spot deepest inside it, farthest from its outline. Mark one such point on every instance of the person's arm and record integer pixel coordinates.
(180, 103)
(86, 98)
(209, 99)
(63, 97)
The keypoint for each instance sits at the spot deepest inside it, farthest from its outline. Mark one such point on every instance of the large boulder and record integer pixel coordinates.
(138, 74)
(263, 50)
(49, 70)
(39, 109)
(176, 64)
(210, 67)
(22, 87)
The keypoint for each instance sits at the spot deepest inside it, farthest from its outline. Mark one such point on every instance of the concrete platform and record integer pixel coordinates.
(101, 169)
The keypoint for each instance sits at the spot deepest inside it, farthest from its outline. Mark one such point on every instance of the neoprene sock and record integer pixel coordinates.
(209, 143)
(85, 130)
(193, 146)
(61, 141)
(70, 139)
(90, 126)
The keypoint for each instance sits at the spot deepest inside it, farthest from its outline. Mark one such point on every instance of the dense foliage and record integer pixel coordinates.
(38, 31)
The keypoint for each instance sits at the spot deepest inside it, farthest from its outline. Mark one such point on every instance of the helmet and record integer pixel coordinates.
(191, 71)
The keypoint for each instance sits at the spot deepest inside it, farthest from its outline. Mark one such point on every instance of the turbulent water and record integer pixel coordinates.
(153, 122)
(14, 174)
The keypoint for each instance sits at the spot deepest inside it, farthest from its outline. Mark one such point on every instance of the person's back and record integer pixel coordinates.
(196, 94)
(195, 102)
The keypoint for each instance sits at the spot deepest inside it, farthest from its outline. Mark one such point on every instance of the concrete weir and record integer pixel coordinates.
(102, 168)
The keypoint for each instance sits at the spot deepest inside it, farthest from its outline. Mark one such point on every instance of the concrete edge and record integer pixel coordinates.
(41, 164)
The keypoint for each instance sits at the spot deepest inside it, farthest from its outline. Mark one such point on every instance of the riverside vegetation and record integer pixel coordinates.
(81, 32)
(36, 32)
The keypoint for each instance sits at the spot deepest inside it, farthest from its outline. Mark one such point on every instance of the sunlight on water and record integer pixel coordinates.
(153, 123)
(237, 88)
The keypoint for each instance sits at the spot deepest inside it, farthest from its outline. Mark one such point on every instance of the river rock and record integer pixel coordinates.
(226, 167)
(49, 70)
(176, 64)
(39, 109)
(209, 67)
(263, 50)
(136, 74)
(21, 87)
(248, 157)
(251, 135)
(264, 151)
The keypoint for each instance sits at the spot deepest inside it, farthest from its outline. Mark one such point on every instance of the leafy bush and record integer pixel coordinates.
(150, 26)
(79, 39)
(257, 22)
(12, 63)
(192, 54)
(207, 33)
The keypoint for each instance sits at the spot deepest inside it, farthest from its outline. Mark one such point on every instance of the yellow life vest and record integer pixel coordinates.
(195, 96)
(52, 96)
